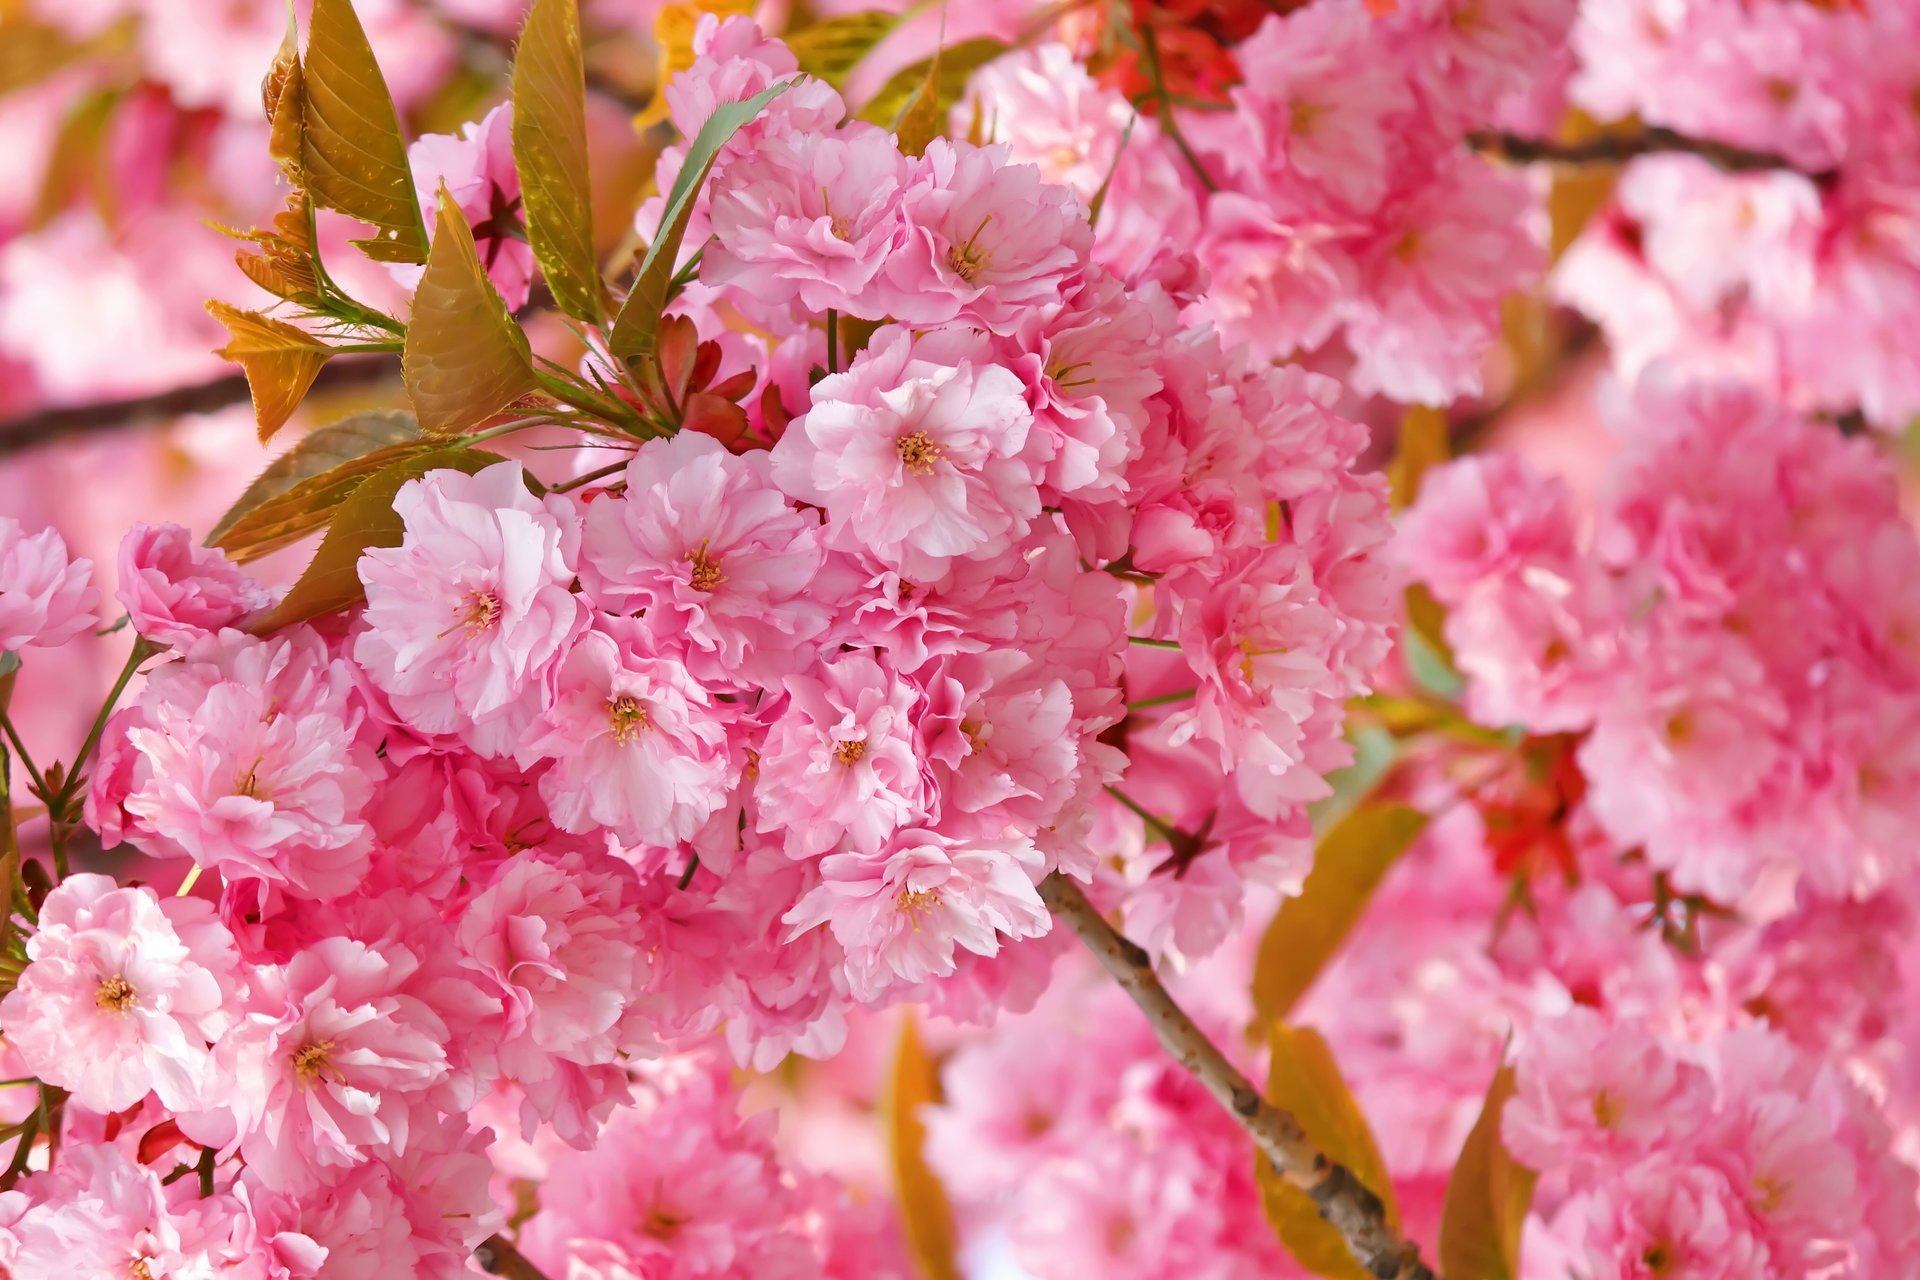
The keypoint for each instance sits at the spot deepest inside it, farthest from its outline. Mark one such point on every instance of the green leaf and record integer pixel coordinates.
(280, 361)
(638, 323)
(331, 581)
(1487, 1198)
(925, 1213)
(352, 154)
(1423, 644)
(343, 453)
(550, 150)
(9, 663)
(831, 48)
(465, 358)
(957, 64)
(1348, 865)
(1302, 1078)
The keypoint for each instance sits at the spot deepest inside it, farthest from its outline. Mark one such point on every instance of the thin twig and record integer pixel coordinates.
(1620, 148)
(31, 429)
(497, 1257)
(1352, 1210)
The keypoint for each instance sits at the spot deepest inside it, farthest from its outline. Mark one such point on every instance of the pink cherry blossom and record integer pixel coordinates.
(713, 555)
(900, 913)
(469, 617)
(46, 598)
(917, 454)
(123, 994)
(176, 592)
(476, 168)
(638, 745)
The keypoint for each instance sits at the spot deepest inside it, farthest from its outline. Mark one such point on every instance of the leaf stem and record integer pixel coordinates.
(833, 341)
(1178, 695)
(1147, 642)
(497, 1257)
(26, 761)
(1620, 148)
(1344, 1203)
(599, 473)
(76, 772)
(1150, 52)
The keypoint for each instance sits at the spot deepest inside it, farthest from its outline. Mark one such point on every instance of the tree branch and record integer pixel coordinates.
(1352, 1210)
(497, 1257)
(1618, 149)
(40, 427)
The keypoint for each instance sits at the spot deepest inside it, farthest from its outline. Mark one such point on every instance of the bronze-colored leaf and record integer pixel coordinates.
(1424, 445)
(1302, 1078)
(352, 155)
(1487, 1198)
(922, 119)
(282, 260)
(957, 63)
(339, 449)
(635, 328)
(925, 1212)
(331, 580)
(283, 94)
(465, 358)
(1349, 862)
(550, 150)
(280, 361)
(831, 48)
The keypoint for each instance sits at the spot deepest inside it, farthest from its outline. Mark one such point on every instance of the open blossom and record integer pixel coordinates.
(45, 597)
(918, 454)
(244, 757)
(323, 1069)
(841, 766)
(468, 618)
(123, 994)
(176, 592)
(638, 745)
(809, 218)
(900, 913)
(713, 556)
(987, 241)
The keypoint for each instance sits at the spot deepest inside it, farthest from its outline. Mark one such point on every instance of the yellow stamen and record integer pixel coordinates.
(705, 574)
(628, 716)
(310, 1060)
(116, 994)
(850, 753)
(918, 453)
(918, 903)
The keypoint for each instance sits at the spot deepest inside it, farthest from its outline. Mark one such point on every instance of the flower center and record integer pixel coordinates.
(851, 753)
(968, 259)
(627, 716)
(918, 904)
(704, 575)
(1658, 1258)
(248, 783)
(477, 611)
(310, 1061)
(974, 731)
(918, 453)
(1605, 1113)
(139, 1271)
(116, 994)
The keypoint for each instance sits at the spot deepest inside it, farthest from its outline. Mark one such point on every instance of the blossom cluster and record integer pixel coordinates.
(788, 716)
(1801, 277)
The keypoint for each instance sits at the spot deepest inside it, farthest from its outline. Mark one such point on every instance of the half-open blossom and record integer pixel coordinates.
(176, 592)
(468, 618)
(45, 597)
(476, 167)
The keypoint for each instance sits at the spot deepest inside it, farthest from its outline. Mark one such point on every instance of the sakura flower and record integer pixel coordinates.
(840, 767)
(325, 1065)
(476, 167)
(469, 617)
(714, 556)
(100, 1214)
(245, 758)
(638, 745)
(176, 592)
(809, 218)
(916, 458)
(987, 240)
(46, 598)
(123, 993)
(900, 914)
